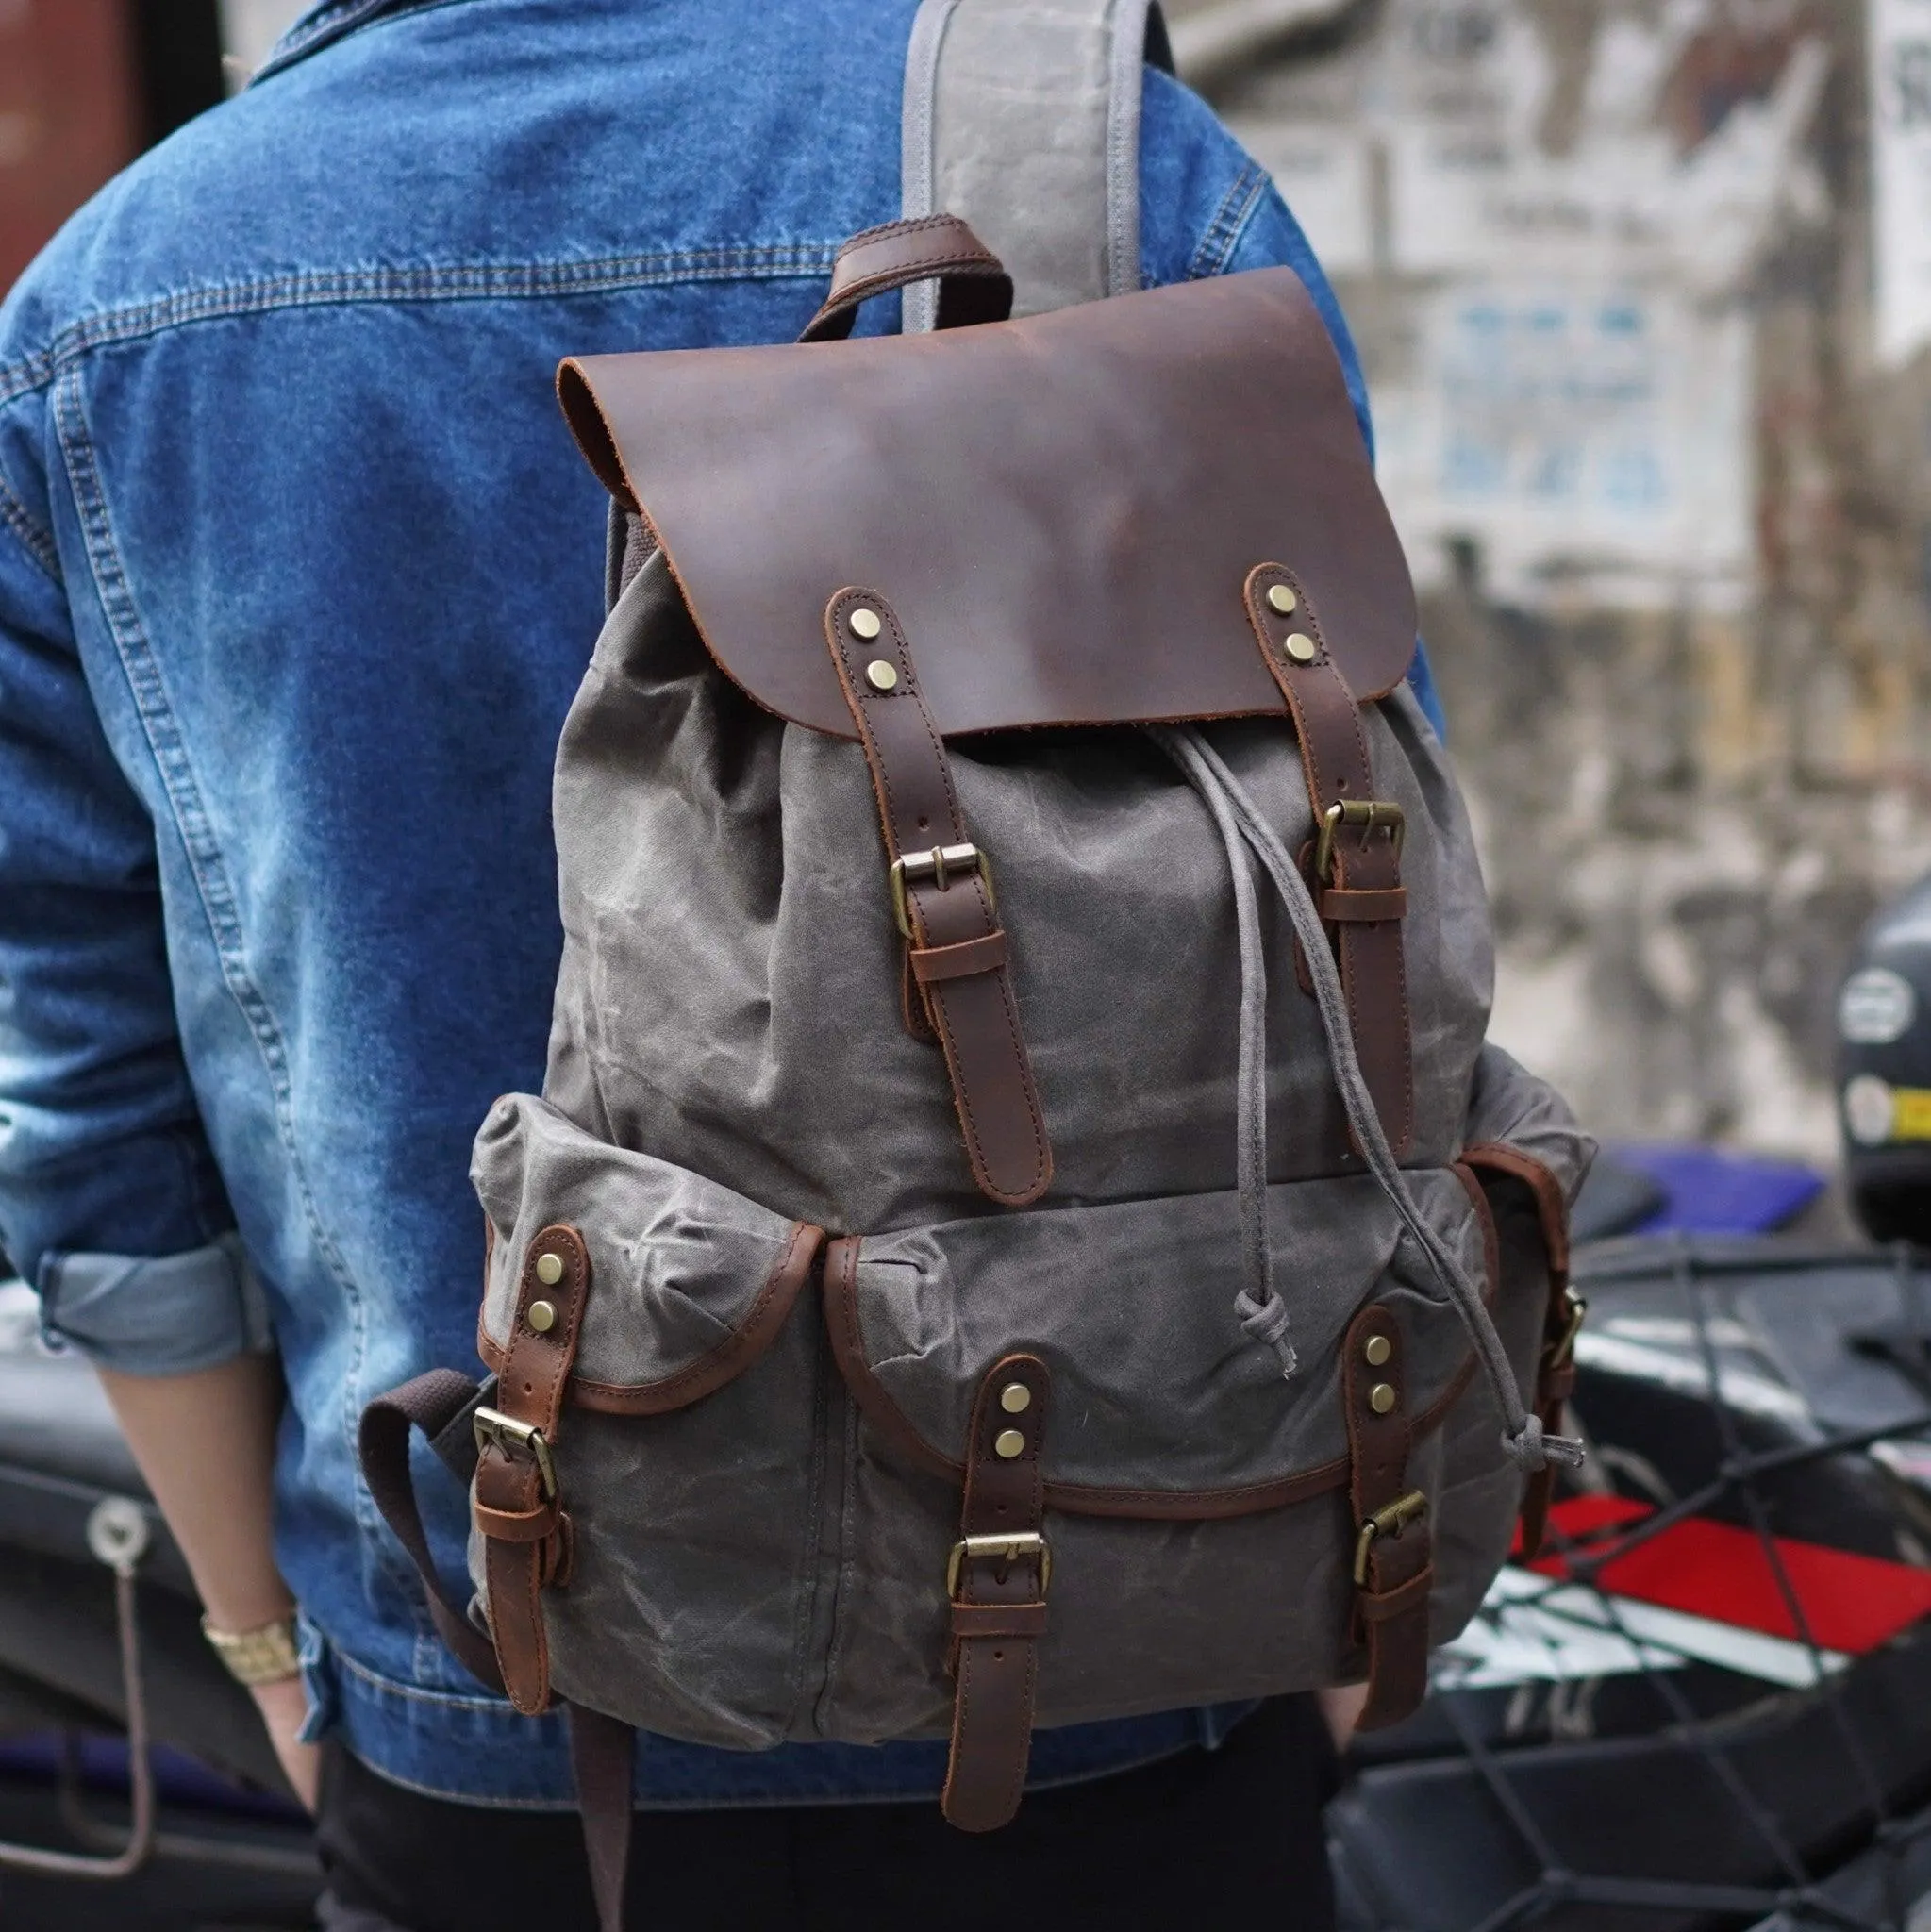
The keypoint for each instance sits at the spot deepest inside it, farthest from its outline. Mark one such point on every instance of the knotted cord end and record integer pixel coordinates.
(1532, 1449)
(1269, 1321)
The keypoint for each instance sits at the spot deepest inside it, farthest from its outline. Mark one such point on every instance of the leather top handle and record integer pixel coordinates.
(974, 285)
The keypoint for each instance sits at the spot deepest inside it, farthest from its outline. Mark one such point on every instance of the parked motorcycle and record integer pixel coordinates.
(1705, 1704)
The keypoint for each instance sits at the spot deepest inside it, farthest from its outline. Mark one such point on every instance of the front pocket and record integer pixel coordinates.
(1196, 1501)
(1158, 1395)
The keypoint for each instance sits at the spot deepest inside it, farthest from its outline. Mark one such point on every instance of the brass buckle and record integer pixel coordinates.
(938, 866)
(508, 1435)
(1562, 1351)
(1369, 815)
(1388, 1522)
(1008, 1548)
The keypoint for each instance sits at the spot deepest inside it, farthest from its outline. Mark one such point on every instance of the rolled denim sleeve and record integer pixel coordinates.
(1208, 208)
(110, 1200)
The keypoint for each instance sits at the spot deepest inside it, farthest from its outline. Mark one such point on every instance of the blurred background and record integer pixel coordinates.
(1643, 288)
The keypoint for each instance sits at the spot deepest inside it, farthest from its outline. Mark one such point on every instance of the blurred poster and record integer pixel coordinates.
(1589, 436)
(1899, 41)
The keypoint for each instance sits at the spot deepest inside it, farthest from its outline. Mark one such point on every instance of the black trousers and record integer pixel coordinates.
(1226, 1837)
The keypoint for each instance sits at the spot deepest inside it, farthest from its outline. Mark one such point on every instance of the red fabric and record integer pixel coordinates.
(1715, 1570)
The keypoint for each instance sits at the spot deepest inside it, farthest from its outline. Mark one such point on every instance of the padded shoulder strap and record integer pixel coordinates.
(1022, 118)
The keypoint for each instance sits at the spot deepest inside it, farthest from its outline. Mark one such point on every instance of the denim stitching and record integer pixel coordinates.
(415, 1693)
(456, 282)
(155, 707)
(308, 36)
(37, 543)
(1230, 220)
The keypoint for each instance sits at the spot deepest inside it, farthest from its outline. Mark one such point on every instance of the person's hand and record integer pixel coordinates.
(283, 1705)
(1342, 1706)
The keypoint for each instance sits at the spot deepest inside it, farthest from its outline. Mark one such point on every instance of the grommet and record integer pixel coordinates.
(1300, 647)
(864, 623)
(880, 675)
(1377, 1349)
(1015, 1398)
(1281, 598)
(542, 1316)
(549, 1270)
(1008, 1443)
(1381, 1399)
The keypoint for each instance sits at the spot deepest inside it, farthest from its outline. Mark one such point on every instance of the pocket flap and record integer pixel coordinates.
(689, 1280)
(1161, 1402)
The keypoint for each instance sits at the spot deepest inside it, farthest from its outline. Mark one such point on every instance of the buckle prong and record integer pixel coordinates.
(1007, 1547)
(1576, 1309)
(495, 1429)
(1369, 815)
(938, 866)
(1388, 1522)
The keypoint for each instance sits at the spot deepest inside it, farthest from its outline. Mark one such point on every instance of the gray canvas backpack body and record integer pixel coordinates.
(1022, 1225)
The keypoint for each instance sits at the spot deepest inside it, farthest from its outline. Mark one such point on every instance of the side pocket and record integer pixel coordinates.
(1531, 1158)
(684, 1454)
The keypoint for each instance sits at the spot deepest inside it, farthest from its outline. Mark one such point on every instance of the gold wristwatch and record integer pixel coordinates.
(263, 1656)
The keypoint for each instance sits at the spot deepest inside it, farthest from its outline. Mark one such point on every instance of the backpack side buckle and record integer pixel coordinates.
(497, 1430)
(1388, 1522)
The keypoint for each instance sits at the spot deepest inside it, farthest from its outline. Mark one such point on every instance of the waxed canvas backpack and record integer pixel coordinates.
(1022, 1225)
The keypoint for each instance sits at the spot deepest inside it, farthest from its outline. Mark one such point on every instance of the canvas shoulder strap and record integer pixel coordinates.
(1023, 116)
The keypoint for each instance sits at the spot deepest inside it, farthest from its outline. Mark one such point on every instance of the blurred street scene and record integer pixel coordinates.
(1643, 288)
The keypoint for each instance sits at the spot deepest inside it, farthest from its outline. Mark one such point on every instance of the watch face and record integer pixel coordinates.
(1870, 1110)
(1877, 1007)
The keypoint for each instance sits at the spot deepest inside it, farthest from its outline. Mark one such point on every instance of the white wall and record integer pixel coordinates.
(250, 28)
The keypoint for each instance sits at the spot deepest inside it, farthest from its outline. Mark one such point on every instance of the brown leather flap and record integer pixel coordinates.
(1062, 510)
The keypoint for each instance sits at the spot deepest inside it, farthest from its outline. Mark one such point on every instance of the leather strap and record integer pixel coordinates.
(999, 1598)
(603, 1752)
(1395, 1566)
(949, 906)
(1367, 909)
(431, 1403)
(974, 285)
(1366, 867)
(933, 964)
(517, 1510)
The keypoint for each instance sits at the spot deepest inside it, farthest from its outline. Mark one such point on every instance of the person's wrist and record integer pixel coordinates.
(257, 1655)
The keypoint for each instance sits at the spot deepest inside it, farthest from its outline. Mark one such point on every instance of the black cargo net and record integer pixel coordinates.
(1708, 1704)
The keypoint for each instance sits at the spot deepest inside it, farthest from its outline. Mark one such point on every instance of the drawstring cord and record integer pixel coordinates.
(1262, 1314)
(1524, 1439)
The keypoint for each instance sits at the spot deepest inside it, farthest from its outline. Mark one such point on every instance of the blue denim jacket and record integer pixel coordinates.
(298, 573)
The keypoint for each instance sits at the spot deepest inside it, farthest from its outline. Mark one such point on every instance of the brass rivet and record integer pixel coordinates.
(543, 1316)
(1301, 647)
(1008, 1443)
(1282, 599)
(882, 675)
(1381, 1399)
(1015, 1398)
(864, 623)
(1377, 1349)
(549, 1270)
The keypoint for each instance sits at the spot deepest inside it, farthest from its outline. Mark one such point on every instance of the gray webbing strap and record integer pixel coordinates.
(1022, 117)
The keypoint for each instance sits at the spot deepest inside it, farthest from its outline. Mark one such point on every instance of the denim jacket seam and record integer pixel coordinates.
(1230, 219)
(36, 542)
(330, 24)
(415, 1693)
(155, 707)
(482, 282)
